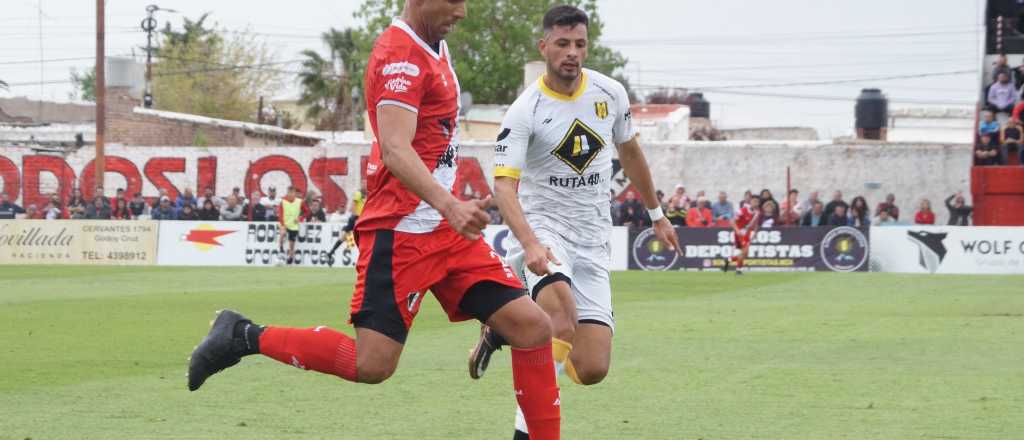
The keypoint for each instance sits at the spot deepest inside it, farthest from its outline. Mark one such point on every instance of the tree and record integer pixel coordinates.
(667, 96)
(327, 83)
(84, 84)
(205, 71)
(489, 58)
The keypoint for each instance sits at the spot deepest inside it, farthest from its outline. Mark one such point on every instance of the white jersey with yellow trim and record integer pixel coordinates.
(560, 148)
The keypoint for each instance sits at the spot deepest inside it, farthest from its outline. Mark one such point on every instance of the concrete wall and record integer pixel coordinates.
(770, 134)
(911, 171)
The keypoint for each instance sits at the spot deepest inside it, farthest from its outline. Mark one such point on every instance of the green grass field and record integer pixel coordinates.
(100, 353)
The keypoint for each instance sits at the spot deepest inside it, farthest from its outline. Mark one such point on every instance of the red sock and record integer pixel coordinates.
(533, 372)
(318, 349)
(739, 263)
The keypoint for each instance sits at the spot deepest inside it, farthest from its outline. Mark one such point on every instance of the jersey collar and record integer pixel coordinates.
(579, 90)
(401, 24)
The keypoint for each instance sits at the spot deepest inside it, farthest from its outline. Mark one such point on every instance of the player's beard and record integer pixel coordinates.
(559, 73)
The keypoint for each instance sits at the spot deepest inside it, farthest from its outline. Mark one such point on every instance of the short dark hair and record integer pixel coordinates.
(565, 15)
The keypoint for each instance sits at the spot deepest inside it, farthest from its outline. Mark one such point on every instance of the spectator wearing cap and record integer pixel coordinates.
(138, 206)
(959, 210)
(164, 210)
(722, 210)
(186, 199)
(924, 215)
(160, 195)
(232, 210)
(270, 202)
(209, 195)
(8, 209)
(1002, 95)
(699, 216)
(98, 210)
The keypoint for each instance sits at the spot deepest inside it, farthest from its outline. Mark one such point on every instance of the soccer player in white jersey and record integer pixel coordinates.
(553, 171)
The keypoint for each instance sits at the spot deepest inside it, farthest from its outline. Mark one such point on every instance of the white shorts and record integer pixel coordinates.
(587, 270)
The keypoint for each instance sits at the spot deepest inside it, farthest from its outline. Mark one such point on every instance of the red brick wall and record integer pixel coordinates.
(124, 126)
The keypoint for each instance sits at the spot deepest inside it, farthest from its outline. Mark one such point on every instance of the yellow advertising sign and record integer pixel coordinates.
(126, 243)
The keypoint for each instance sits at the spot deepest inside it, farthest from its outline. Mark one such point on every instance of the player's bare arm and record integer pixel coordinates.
(634, 163)
(507, 197)
(397, 128)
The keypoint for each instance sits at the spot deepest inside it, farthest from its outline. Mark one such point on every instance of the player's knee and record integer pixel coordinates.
(592, 375)
(375, 374)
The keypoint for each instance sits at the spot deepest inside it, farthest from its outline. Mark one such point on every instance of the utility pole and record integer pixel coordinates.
(101, 92)
(149, 25)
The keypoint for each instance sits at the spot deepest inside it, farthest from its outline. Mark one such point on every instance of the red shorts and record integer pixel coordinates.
(395, 270)
(743, 240)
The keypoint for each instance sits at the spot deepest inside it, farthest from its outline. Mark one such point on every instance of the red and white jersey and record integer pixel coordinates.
(746, 217)
(405, 71)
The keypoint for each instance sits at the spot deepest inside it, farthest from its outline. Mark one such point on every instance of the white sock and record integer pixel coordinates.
(521, 421)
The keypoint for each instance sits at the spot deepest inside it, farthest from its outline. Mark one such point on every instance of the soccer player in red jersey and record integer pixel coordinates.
(413, 236)
(744, 227)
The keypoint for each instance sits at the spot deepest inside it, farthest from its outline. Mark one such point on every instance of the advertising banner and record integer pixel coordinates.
(500, 237)
(840, 249)
(947, 249)
(106, 242)
(198, 243)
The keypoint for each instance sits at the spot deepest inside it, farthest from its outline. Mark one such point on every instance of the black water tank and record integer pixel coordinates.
(699, 107)
(872, 109)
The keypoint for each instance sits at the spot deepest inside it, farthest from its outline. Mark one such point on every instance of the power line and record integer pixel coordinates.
(839, 81)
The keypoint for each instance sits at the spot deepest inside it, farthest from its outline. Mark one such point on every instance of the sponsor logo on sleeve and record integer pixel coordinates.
(402, 68)
(398, 85)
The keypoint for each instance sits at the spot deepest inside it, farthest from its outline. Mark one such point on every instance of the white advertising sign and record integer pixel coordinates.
(200, 243)
(947, 249)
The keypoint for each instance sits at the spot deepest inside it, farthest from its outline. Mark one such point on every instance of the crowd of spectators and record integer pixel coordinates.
(699, 211)
(1000, 131)
(682, 210)
(208, 207)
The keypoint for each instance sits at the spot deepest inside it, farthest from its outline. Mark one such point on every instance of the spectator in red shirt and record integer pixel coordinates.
(121, 211)
(32, 213)
(924, 215)
(699, 216)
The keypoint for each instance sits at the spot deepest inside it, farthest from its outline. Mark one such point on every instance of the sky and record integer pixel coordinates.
(764, 63)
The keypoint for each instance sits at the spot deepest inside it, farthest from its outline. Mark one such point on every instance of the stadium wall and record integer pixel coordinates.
(871, 169)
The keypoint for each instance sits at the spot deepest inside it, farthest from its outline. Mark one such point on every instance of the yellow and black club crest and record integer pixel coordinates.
(579, 147)
(601, 109)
